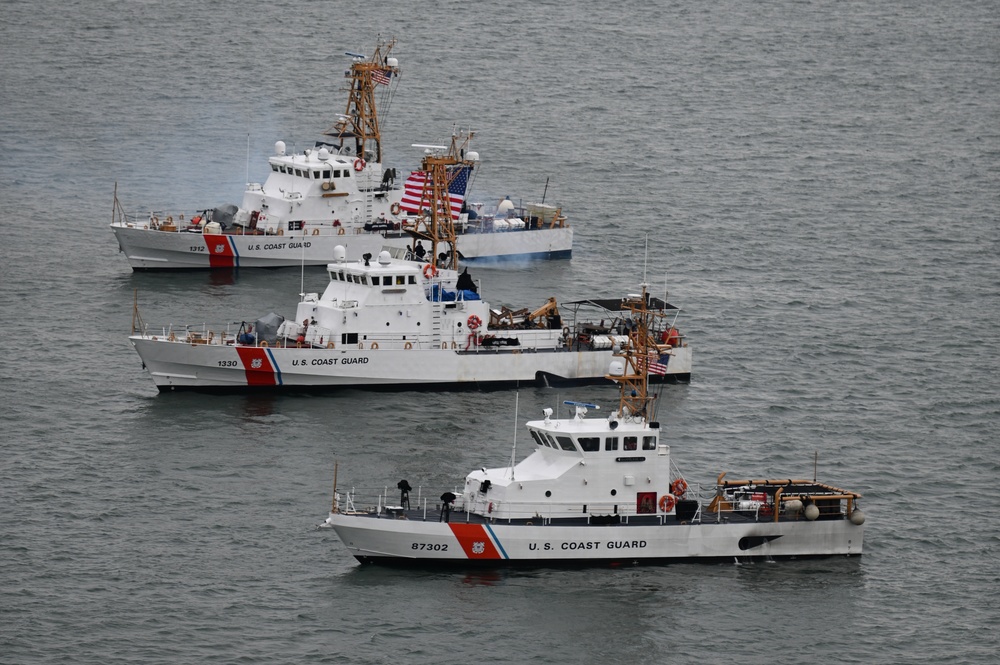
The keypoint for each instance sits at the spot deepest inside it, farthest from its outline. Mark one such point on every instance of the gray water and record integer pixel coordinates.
(818, 183)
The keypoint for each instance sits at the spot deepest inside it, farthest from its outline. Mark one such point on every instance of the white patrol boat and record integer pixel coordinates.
(396, 324)
(337, 193)
(599, 491)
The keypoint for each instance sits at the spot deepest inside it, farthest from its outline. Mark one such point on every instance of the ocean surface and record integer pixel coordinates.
(818, 185)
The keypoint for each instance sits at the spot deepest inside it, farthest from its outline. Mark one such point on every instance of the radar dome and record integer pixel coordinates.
(339, 253)
(616, 368)
(392, 62)
(472, 156)
(384, 258)
(279, 147)
(324, 154)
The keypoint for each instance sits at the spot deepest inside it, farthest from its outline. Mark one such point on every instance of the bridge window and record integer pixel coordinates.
(611, 443)
(274, 167)
(413, 279)
(631, 443)
(401, 280)
(590, 444)
(649, 443)
(326, 174)
(374, 280)
(566, 443)
(538, 439)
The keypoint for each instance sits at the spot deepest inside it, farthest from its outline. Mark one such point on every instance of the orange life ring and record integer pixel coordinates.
(408, 346)
(474, 322)
(395, 208)
(330, 345)
(359, 164)
(678, 487)
(340, 231)
(264, 344)
(374, 346)
(667, 503)
(430, 271)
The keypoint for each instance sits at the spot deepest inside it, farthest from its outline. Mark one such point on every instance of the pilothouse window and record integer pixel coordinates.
(590, 444)
(631, 443)
(649, 443)
(566, 443)
(611, 443)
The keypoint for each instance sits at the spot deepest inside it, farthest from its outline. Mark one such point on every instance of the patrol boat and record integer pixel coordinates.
(338, 193)
(388, 323)
(599, 491)
(394, 323)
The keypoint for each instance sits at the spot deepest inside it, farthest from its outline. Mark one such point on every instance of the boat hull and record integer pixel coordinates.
(148, 249)
(458, 544)
(176, 365)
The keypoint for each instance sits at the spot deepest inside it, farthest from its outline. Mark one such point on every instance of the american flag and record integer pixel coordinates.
(413, 191)
(381, 76)
(656, 365)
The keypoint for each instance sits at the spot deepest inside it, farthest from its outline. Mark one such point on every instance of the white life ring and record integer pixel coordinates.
(359, 164)
(395, 208)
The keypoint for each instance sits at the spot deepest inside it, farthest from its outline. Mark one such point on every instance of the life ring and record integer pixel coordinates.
(359, 164)
(444, 345)
(667, 503)
(298, 345)
(374, 345)
(430, 271)
(395, 208)
(330, 345)
(264, 343)
(408, 345)
(678, 487)
(315, 232)
(474, 322)
(340, 231)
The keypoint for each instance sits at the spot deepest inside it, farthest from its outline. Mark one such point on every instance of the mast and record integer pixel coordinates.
(434, 223)
(360, 123)
(642, 350)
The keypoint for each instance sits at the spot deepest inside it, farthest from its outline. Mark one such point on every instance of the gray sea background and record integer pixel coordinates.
(818, 186)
